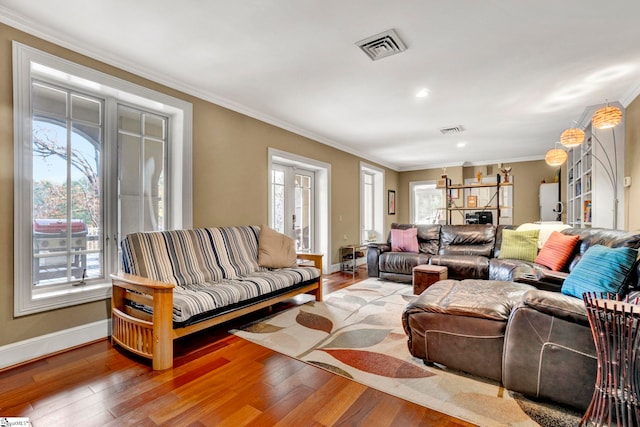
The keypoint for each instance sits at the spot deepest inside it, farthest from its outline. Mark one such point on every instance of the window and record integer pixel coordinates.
(142, 142)
(91, 159)
(426, 203)
(372, 208)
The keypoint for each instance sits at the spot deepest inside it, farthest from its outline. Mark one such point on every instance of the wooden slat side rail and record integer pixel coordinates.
(131, 333)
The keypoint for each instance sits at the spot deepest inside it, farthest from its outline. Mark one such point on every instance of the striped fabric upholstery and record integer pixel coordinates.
(180, 257)
(236, 249)
(211, 267)
(193, 300)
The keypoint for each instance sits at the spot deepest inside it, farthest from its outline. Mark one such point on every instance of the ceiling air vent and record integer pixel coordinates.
(452, 129)
(382, 45)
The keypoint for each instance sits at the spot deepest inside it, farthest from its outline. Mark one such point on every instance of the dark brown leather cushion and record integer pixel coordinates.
(590, 237)
(469, 239)
(463, 266)
(401, 262)
(558, 305)
(487, 299)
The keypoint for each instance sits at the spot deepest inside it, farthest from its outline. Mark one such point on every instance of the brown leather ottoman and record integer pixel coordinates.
(461, 324)
(425, 275)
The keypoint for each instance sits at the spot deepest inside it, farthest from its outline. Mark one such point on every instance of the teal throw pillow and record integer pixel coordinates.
(601, 269)
(521, 245)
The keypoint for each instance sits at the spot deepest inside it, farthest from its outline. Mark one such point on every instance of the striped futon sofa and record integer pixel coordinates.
(178, 282)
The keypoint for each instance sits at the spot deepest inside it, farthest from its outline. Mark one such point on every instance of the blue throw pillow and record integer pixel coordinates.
(601, 269)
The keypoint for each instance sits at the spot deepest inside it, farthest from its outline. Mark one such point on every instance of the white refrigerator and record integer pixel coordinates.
(550, 204)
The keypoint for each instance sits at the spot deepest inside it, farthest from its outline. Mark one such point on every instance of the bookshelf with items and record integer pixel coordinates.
(589, 190)
(579, 185)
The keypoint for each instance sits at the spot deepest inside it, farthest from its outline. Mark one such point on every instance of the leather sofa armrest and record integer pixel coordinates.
(551, 276)
(557, 305)
(381, 247)
(541, 278)
(373, 254)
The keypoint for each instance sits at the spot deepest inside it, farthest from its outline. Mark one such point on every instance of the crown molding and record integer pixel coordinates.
(30, 27)
(466, 164)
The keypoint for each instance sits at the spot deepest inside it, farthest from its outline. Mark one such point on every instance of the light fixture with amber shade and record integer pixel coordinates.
(555, 157)
(572, 137)
(606, 117)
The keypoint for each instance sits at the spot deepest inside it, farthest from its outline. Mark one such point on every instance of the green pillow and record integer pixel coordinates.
(601, 269)
(521, 245)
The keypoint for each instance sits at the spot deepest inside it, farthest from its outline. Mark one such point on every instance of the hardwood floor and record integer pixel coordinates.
(217, 380)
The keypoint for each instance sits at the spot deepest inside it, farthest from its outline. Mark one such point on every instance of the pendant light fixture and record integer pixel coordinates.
(572, 137)
(556, 157)
(606, 117)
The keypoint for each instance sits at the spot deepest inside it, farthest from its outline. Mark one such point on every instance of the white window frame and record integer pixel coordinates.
(28, 62)
(412, 200)
(378, 202)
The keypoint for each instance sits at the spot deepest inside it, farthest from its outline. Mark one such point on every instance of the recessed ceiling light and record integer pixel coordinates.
(461, 144)
(422, 93)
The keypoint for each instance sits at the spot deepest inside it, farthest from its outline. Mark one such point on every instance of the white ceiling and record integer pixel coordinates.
(513, 73)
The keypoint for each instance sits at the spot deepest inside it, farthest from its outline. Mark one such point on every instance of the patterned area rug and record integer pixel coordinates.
(357, 333)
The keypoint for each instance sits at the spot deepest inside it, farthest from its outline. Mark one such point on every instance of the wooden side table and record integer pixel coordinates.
(426, 275)
(615, 326)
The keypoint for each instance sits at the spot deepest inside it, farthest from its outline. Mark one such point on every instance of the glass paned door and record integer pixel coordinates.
(292, 204)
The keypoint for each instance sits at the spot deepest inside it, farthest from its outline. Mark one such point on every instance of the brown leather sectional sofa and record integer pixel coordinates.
(464, 249)
(546, 346)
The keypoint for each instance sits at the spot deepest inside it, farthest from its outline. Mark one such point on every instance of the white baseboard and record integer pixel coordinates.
(33, 348)
(333, 268)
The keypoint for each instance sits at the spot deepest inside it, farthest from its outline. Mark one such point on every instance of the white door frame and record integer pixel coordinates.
(322, 199)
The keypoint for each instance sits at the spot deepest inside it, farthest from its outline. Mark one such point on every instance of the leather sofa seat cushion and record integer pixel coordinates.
(463, 266)
(487, 299)
(401, 262)
(470, 239)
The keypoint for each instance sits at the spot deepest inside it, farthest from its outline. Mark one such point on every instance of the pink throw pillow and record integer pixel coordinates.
(404, 240)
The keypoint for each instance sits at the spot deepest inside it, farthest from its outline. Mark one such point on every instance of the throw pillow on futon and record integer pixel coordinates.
(275, 250)
(556, 250)
(522, 245)
(601, 269)
(404, 240)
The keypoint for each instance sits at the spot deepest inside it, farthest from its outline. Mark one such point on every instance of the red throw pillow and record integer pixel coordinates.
(404, 240)
(556, 250)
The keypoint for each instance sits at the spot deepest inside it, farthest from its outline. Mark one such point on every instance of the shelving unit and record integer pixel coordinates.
(349, 256)
(590, 194)
(490, 202)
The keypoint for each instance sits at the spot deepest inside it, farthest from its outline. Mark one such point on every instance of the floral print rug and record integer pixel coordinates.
(357, 333)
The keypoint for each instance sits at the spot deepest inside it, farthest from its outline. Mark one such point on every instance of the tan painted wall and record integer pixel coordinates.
(230, 185)
(528, 176)
(229, 182)
(632, 166)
